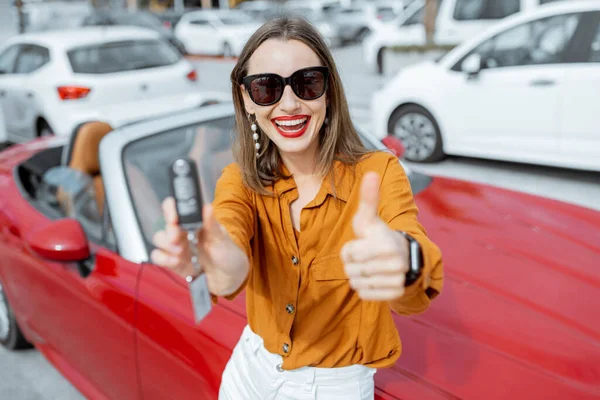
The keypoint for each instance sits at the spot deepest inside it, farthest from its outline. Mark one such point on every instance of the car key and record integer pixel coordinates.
(185, 188)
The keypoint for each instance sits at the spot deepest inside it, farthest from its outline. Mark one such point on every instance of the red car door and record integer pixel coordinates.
(179, 359)
(83, 324)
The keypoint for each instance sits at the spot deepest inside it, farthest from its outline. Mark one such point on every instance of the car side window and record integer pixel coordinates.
(467, 10)
(416, 18)
(31, 58)
(595, 47)
(538, 42)
(199, 22)
(8, 58)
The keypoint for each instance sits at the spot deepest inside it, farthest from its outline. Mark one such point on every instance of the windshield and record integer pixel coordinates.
(146, 164)
(236, 19)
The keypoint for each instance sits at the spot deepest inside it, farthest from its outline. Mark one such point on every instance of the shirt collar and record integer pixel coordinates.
(343, 181)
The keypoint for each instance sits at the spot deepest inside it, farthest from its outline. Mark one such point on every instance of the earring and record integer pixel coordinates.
(254, 128)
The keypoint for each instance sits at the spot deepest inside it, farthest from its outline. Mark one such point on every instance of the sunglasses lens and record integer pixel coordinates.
(266, 89)
(309, 84)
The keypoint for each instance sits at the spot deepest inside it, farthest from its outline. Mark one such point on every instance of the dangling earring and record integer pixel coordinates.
(254, 128)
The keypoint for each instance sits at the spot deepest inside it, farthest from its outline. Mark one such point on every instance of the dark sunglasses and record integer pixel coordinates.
(307, 83)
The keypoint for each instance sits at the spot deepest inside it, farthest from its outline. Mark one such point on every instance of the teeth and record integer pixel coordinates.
(292, 122)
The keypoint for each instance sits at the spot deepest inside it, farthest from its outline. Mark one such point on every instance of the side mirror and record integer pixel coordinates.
(472, 64)
(394, 144)
(61, 240)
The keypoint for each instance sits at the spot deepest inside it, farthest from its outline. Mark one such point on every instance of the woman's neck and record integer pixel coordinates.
(301, 166)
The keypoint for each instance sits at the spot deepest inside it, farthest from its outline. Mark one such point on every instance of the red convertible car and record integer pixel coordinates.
(519, 316)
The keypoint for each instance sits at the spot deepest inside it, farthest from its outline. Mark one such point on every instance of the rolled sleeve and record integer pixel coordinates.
(399, 211)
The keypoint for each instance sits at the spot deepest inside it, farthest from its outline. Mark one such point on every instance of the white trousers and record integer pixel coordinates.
(253, 373)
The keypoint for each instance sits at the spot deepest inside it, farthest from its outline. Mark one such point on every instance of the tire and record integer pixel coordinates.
(44, 129)
(227, 51)
(11, 336)
(419, 133)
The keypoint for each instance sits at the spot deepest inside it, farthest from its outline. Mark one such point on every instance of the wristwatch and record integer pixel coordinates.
(415, 257)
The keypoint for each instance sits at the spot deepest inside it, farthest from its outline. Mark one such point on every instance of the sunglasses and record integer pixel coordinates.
(307, 83)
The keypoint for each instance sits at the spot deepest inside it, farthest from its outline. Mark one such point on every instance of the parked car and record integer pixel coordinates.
(313, 12)
(523, 91)
(354, 22)
(142, 19)
(38, 16)
(215, 32)
(457, 21)
(52, 82)
(517, 318)
(260, 10)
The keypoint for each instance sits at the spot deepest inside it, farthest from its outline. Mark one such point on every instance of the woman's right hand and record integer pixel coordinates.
(224, 263)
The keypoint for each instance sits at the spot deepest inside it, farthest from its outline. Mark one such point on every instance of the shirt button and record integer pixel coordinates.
(286, 348)
(279, 368)
(289, 308)
(294, 260)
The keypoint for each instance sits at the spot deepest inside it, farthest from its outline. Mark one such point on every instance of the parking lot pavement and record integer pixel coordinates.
(26, 375)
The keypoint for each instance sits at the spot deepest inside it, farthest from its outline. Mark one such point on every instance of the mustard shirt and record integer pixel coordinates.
(298, 297)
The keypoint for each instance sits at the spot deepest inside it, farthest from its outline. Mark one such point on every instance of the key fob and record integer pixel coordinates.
(185, 188)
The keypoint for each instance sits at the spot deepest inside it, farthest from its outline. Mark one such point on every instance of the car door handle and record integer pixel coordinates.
(542, 82)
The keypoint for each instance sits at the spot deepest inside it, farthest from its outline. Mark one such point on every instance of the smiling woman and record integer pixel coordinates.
(320, 230)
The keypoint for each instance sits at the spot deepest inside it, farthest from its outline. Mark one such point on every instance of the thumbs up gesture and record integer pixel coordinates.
(223, 262)
(377, 260)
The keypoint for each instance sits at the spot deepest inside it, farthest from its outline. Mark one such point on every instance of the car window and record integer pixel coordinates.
(538, 42)
(31, 58)
(198, 22)
(467, 10)
(8, 58)
(145, 20)
(416, 18)
(595, 47)
(122, 56)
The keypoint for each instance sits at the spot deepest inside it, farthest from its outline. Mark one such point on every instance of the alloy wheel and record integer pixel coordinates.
(418, 135)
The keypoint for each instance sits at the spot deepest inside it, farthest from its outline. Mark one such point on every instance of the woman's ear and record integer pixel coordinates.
(248, 103)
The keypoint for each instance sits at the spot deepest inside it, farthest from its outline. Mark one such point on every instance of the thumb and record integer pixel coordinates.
(366, 215)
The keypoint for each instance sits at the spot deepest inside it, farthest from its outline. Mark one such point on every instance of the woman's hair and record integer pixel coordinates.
(338, 139)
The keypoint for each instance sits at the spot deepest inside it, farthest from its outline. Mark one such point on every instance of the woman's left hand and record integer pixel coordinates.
(377, 261)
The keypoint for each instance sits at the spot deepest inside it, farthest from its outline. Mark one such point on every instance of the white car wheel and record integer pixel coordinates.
(419, 133)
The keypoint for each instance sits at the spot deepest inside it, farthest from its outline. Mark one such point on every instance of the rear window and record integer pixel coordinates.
(123, 56)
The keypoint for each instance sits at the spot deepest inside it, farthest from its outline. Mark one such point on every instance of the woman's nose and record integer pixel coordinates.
(289, 101)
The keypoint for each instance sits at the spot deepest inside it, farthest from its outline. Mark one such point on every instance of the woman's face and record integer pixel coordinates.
(292, 124)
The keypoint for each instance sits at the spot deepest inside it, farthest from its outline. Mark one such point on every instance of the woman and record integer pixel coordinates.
(319, 231)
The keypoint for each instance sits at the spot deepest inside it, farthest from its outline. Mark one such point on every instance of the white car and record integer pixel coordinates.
(526, 90)
(52, 82)
(215, 32)
(457, 21)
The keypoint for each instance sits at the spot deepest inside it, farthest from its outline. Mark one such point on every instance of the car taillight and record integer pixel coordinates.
(72, 92)
(192, 75)
(394, 144)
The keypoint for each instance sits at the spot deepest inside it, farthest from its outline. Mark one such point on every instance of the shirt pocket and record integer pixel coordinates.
(331, 291)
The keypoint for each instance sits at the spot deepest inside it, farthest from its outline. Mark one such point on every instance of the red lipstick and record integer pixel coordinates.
(291, 131)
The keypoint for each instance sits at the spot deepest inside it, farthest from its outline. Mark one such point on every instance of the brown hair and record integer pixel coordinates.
(338, 139)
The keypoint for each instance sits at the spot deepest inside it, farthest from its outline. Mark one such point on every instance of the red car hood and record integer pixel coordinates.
(519, 315)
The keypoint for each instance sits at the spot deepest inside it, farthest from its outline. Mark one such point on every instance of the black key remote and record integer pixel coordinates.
(185, 187)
